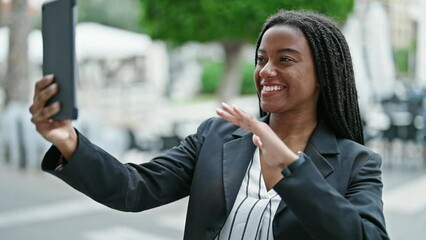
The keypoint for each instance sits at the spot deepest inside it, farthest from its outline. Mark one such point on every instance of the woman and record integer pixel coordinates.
(299, 172)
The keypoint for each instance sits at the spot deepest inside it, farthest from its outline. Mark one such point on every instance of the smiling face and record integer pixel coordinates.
(285, 73)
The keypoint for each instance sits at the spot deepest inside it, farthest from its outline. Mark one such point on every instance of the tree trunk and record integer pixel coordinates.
(1, 13)
(2, 17)
(17, 73)
(230, 85)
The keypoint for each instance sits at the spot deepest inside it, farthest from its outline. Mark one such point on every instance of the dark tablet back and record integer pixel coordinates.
(58, 31)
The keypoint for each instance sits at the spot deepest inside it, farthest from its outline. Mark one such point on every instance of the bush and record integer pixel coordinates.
(248, 82)
(401, 60)
(212, 72)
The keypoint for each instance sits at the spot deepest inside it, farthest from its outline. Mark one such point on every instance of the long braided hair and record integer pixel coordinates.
(338, 100)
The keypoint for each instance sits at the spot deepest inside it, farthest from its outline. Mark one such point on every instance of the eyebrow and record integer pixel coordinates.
(292, 50)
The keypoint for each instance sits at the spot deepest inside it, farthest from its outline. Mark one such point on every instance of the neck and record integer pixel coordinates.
(294, 130)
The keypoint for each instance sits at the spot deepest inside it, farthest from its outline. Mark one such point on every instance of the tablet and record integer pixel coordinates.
(58, 32)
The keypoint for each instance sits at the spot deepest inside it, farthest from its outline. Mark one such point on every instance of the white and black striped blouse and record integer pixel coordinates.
(254, 209)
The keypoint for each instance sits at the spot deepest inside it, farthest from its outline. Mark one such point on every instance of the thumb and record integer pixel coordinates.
(256, 141)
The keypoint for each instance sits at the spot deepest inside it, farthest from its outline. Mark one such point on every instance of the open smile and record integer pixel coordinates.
(272, 88)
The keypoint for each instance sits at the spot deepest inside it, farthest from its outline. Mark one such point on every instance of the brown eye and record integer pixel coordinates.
(260, 60)
(287, 59)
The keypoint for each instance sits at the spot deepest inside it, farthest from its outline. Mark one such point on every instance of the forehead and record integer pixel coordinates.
(284, 36)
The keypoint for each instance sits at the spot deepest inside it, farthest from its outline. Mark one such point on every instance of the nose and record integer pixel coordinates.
(268, 71)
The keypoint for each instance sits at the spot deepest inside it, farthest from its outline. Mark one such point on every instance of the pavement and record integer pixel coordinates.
(404, 198)
(37, 206)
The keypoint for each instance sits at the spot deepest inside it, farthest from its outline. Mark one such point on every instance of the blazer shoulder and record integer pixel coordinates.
(354, 148)
(217, 126)
(361, 155)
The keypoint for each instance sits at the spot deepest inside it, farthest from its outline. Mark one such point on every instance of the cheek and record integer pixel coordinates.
(257, 79)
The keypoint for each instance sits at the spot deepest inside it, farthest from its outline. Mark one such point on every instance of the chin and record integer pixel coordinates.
(266, 108)
(271, 109)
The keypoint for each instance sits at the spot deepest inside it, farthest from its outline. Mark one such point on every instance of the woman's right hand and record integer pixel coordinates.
(59, 132)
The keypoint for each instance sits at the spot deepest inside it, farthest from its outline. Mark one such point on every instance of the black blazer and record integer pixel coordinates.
(334, 194)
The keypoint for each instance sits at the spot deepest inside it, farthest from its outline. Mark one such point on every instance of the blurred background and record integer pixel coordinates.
(149, 71)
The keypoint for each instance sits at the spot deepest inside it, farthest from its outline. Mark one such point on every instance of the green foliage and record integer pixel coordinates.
(123, 14)
(180, 21)
(248, 81)
(337, 9)
(401, 60)
(213, 72)
(212, 20)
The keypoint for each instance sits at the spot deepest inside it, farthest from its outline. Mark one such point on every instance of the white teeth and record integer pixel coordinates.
(272, 88)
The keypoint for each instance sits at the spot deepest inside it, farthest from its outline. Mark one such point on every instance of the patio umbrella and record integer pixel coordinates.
(380, 62)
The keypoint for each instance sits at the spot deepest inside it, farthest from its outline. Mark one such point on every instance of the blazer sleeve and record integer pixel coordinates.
(128, 187)
(327, 214)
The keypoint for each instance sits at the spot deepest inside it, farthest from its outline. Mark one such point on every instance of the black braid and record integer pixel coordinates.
(338, 101)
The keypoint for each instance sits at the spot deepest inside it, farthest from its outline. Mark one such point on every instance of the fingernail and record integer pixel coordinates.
(49, 76)
(57, 105)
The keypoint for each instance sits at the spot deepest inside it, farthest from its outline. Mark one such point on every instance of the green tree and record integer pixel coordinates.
(121, 14)
(231, 22)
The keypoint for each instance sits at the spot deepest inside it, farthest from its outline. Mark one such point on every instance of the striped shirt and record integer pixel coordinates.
(254, 208)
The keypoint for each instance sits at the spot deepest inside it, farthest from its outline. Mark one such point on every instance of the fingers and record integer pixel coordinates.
(226, 113)
(44, 90)
(43, 83)
(236, 112)
(238, 117)
(43, 96)
(229, 114)
(45, 113)
(228, 108)
(248, 120)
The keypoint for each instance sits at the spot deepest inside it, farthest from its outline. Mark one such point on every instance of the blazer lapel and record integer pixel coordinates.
(237, 155)
(321, 147)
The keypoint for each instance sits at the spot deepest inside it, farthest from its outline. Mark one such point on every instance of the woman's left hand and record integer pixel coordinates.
(275, 152)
